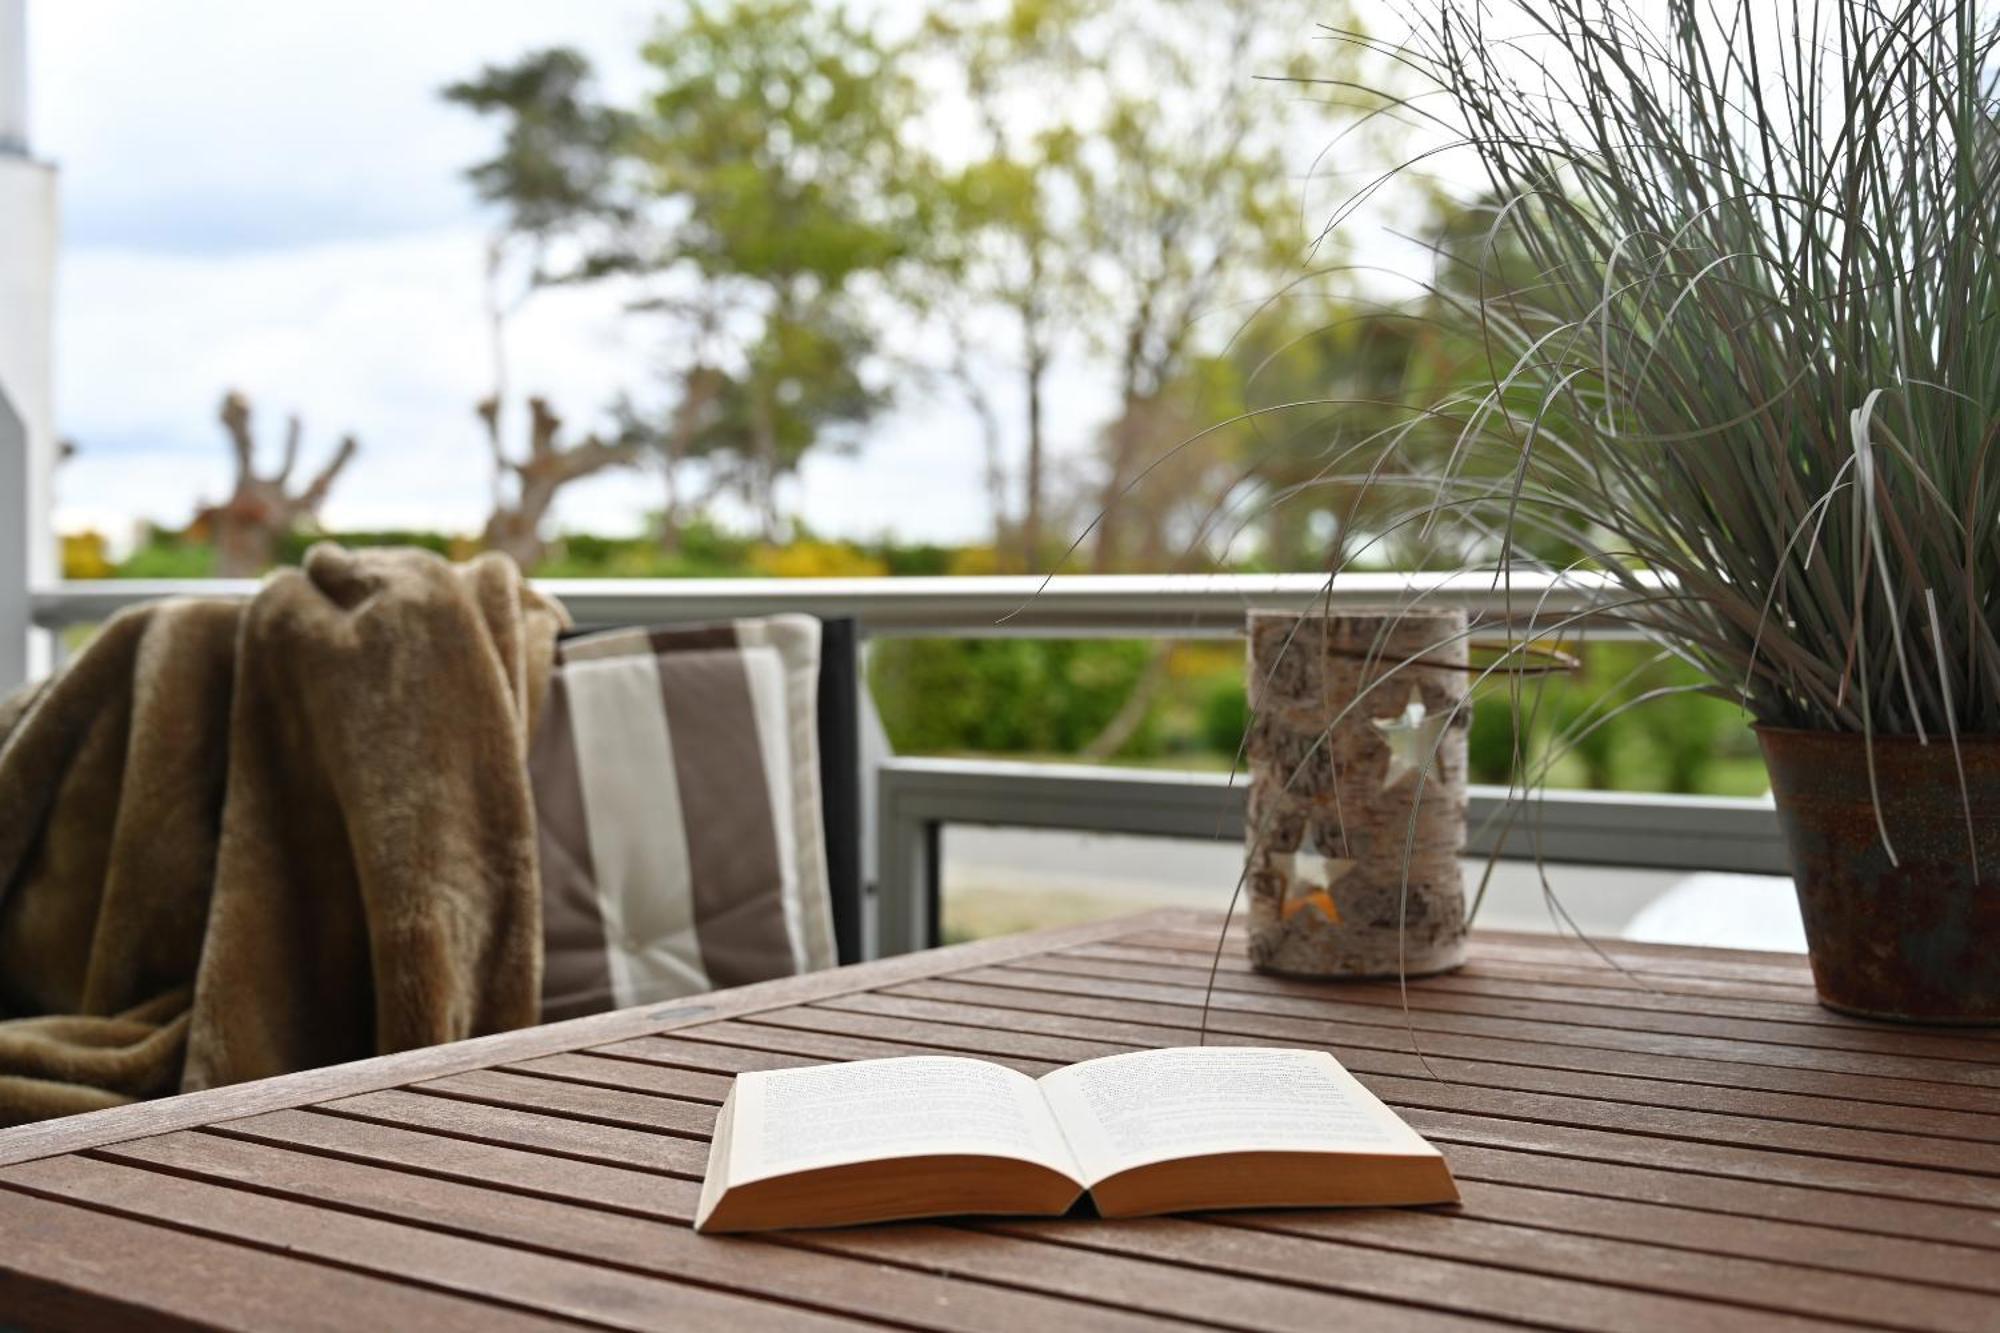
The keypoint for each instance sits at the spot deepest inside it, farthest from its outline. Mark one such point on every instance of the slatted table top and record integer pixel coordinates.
(1690, 1143)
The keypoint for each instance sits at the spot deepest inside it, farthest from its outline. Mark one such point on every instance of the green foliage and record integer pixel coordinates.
(1131, 192)
(1301, 387)
(1042, 699)
(704, 551)
(1678, 741)
(558, 151)
(918, 560)
(777, 126)
(168, 555)
(802, 388)
(293, 545)
(1023, 696)
(1225, 715)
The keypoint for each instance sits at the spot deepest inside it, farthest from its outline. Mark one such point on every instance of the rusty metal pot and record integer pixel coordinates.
(1917, 938)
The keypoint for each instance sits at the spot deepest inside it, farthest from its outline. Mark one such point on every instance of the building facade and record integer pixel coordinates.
(28, 223)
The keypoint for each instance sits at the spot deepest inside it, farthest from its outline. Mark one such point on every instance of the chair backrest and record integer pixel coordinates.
(839, 731)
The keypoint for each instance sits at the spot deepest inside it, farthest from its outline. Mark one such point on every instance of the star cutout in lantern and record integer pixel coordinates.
(1412, 737)
(1311, 879)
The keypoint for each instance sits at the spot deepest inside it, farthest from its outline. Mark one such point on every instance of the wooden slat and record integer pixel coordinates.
(1784, 969)
(665, 1248)
(1481, 978)
(641, 1193)
(70, 1267)
(478, 1269)
(1326, 1259)
(948, 1036)
(687, 1051)
(1255, 1299)
(97, 1128)
(1980, 1082)
(1825, 1250)
(1824, 1151)
(1781, 1093)
(1598, 977)
(1579, 968)
(817, 1045)
(577, 1067)
(1941, 1053)
(499, 1087)
(1672, 1275)
(503, 1126)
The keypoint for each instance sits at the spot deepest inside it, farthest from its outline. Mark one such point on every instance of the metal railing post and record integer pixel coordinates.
(904, 905)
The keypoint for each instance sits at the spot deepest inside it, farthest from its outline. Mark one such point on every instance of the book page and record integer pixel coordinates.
(1151, 1106)
(789, 1120)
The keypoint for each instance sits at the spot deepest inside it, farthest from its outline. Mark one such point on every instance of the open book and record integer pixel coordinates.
(1192, 1127)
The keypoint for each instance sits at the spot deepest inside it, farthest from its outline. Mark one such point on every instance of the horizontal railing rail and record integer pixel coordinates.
(1112, 605)
(917, 798)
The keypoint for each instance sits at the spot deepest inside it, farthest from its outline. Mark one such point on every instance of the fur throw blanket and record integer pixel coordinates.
(243, 838)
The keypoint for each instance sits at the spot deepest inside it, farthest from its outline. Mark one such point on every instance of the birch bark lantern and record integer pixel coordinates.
(1339, 810)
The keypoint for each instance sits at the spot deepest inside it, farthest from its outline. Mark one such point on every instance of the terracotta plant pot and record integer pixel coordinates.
(1916, 937)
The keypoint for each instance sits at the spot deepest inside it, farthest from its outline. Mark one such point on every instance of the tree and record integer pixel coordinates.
(775, 184)
(1132, 179)
(1318, 391)
(801, 389)
(551, 177)
(261, 508)
(1189, 206)
(1005, 249)
(750, 201)
(515, 526)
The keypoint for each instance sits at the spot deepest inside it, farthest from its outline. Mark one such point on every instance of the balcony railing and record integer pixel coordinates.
(1113, 606)
(908, 801)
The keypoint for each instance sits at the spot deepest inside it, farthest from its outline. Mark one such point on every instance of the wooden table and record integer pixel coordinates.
(1691, 1144)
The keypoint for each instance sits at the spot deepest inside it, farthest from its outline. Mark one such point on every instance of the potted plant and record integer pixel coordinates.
(1737, 291)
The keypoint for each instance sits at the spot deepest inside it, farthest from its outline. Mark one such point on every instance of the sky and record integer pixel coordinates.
(269, 197)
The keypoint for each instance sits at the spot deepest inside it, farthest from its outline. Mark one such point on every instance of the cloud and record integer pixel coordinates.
(215, 126)
(385, 339)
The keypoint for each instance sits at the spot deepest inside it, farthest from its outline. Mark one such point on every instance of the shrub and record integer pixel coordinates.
(1020, 696)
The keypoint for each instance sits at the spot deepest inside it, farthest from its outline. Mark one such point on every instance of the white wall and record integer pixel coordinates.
(14, 76)
(27, 309)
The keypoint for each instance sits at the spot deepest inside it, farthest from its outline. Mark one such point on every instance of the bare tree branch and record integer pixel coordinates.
(235, 419)
(294, 429)
(246, 527)
(314, 495)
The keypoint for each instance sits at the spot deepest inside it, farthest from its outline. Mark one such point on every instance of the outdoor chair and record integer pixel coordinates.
(697, 793)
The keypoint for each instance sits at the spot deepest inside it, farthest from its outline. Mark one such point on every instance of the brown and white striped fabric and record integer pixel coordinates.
(676, 782)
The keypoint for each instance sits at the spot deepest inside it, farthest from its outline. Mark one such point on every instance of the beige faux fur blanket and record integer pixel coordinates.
(243, 838)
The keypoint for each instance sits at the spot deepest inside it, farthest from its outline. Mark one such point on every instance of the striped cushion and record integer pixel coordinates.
(676, 782)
